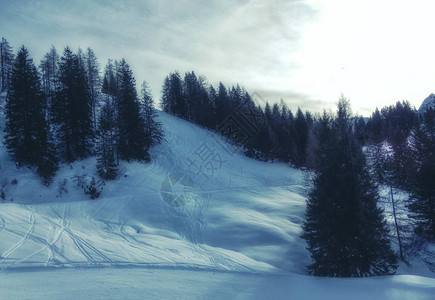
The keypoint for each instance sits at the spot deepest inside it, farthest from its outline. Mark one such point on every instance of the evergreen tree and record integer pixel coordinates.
(132, 135)
(109, 85)
(94, 80)
(421, 176)
(344, 228)
(192, 94)
(24, 111)
(153, 128)
(107, 141)
(235, 96)
(26, 133)
(49, 68)
(177, 101)
(207, 110)
(375, 125)
(6, 62)
(71, 108)
(300, 127)
(223, 108)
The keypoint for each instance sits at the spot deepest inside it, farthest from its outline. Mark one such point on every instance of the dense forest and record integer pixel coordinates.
(66, 109)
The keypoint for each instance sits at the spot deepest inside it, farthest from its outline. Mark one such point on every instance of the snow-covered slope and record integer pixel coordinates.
(169, 229)
(245, 215)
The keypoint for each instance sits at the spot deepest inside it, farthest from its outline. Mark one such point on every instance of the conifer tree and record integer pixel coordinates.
(344, 228)
(164, 102)
(107, 140)
(177, 102)
(49, 68)
(153, 128)
(132, 136)
(6, 62)
(223, 108)
(71, 108)
(421, 175)
(94, 80)
(300, 127)
(26, 133)
(109, 85)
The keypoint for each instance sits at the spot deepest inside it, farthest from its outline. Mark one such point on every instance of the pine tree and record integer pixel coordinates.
(132, 136)
(107, 141)
(300, 127)
(177, 102)
(192, 94)
(223, 108)
(6, 62)
(27, 136)
(421, 183)
(94, 80)
(24, 111)
(344, 228)
(375, 125)
(153, 128)
(71, 108)
(109, 85)
(49, 68)
(164, 102)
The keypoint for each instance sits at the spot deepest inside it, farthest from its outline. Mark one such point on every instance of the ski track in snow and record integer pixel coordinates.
(253, 211)
(21, 242)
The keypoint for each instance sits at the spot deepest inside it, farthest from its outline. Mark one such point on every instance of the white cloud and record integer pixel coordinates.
(307, 52)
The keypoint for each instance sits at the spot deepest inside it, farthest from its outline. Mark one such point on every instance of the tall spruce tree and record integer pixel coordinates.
(107, 140)
(6, 62)
(49, 68)
(300, 127)
(153, 128)
(71, 108)
(421, 184)
(132, 135)
(94, 80)
(344, 228)
(26, 133)
(109, 85)
(177, 100)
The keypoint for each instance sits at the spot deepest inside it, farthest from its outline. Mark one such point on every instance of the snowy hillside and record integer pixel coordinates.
(201, 216)
(242, 218)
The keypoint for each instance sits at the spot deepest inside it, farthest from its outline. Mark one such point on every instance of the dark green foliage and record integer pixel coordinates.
(153, 128)
(6, 62)
(344, 228)
(49, 68)
(26, 133)
(92, 68)
(300, 127)
(71, 109)
(132, 135)
(374, 127)
(110, 85)
(173, 100)
(421, 181)
(107, 139)
(222, 104)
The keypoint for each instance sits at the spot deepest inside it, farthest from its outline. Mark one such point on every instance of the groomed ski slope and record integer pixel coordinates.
(235, 234)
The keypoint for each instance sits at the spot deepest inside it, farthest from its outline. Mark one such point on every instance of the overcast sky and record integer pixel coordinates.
(306, 52)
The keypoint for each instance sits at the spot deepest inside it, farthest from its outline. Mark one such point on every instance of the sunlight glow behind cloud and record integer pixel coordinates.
(306, 52)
